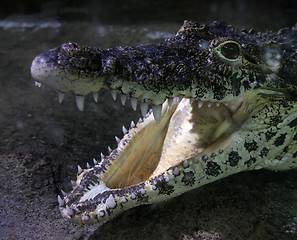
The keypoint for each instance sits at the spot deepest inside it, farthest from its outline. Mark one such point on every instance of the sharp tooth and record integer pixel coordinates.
(123, 200)
(102, 213)
(117, 139)
(132, 124)
(88, 165)
(109, 149)
(69, 211)
(218, 104)
(37, 84)
(61, 201)
(157, 111)
(132, 196)
(209, 104)
(200, 104)
(80, 100)
(61, 97)
(124, 130)
(95, 161)
(175, 171)
(185, 164)
(170, 101)
(123, 99)
(140, 120)
(192, 100)
(95, 96)
(102, 156)
(114, 94)
(143, 108)
(134, 103)
(110, 202)
(64, 194)
(142, 191)
(79, 170)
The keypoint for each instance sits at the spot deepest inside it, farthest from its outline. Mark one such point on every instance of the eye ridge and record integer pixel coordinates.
(230, 50)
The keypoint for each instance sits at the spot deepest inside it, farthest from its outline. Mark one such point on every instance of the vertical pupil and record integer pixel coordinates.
(230, 50)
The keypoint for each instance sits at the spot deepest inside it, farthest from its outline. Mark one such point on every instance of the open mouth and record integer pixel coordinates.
(152, 157)
(186, 130)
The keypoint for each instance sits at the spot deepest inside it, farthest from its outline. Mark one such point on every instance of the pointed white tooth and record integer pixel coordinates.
(143, 108)
(88, 165)
(95, 96)
(80, 100)
(132, 196)
(101, 213)
(95, 161)
(157, 111)
(185, 164)
(61, 97)
(209, 104)
(192, 100)
(109, 149)
(142, 191)
(132, 124)
(218, 104)
(37, 84)
(69, 211)
(117, 139)
(140, 120)
(123, 200)
(64, 194)
(200, 104)
(134, 103)
(110, 202)
(102, 156)
(114, 94)
(61, 201)
(124, 130)
(175, 171)
(123, 99)
(79, 170)
(170, 101)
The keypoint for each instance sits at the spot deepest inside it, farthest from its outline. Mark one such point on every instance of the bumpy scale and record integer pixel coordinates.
(223, 101)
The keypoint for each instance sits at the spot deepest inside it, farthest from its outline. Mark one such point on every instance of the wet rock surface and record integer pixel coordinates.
(42, 142)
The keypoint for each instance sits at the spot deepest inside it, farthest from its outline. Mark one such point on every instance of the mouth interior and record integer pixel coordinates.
(185, 131)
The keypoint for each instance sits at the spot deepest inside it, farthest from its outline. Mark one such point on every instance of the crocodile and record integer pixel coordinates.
(222, 101)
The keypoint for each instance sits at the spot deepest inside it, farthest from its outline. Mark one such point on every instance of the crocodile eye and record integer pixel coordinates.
(230, 50)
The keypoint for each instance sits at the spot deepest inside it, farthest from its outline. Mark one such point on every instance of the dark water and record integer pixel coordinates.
(41, 142)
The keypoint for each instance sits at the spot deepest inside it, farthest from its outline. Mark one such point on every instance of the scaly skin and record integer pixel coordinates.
(238, 112)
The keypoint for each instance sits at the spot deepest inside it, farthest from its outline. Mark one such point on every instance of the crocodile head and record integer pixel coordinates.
(223, 101)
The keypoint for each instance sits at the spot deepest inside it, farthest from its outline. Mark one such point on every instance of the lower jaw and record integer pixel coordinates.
(104, 191)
